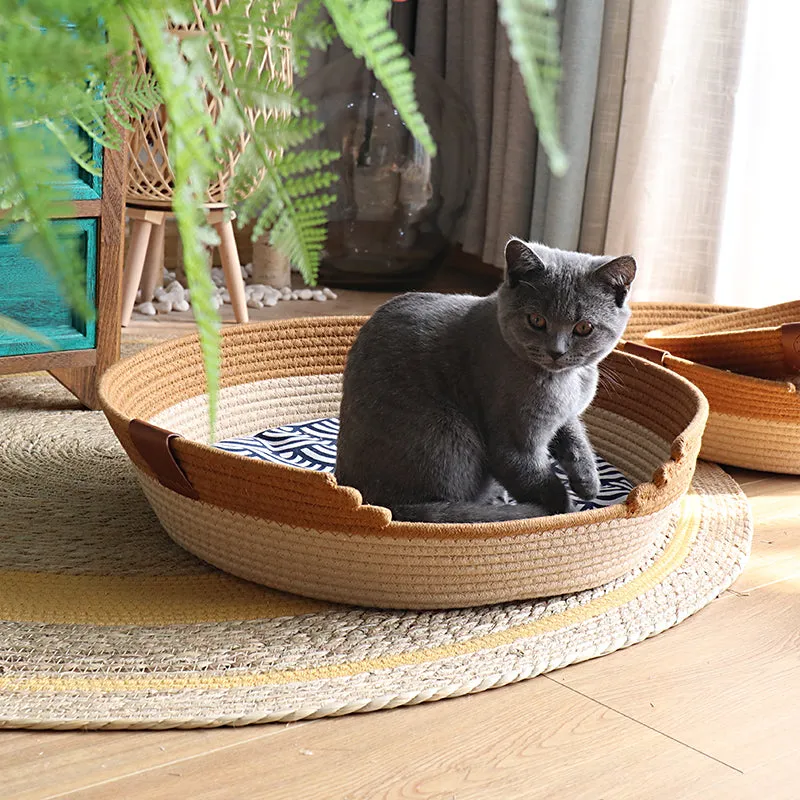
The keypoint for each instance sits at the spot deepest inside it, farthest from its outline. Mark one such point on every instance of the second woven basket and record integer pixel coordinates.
(746, 362)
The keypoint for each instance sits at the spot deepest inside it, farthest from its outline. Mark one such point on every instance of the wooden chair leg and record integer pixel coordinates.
(154, 262)
(134, 264)
(229, 255)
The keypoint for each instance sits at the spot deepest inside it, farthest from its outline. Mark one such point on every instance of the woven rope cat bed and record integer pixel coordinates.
(742, 360)
(299, 531)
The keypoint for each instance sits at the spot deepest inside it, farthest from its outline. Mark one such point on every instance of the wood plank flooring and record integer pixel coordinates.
(709, 709)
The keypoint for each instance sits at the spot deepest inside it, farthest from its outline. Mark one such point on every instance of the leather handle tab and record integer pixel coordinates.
(645, 351)
(153, 444)
(790, 341)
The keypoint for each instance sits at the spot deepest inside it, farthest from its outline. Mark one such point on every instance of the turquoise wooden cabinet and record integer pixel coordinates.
(80, 184)
(29, 295)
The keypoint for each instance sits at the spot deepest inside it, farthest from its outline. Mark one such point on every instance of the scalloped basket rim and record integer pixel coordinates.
(569, 520)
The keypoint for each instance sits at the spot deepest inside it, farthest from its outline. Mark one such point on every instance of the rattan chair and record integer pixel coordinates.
(151, 186)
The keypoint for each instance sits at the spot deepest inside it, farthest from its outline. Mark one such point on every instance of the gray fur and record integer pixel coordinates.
(447, 396)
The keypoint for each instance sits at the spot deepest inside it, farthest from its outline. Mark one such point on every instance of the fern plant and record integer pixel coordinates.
(67, 67)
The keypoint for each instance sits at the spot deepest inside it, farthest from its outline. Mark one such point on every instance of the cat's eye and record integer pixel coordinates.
(537, 322)
(583, 328)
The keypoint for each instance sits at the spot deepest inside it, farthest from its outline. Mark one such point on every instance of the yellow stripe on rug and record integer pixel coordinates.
(142, 600)
(674, 554)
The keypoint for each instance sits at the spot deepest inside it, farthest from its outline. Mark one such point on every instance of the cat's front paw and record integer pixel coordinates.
(586, 486)
(555, 498)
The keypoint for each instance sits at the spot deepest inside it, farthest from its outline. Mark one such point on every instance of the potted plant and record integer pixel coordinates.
(68, 67)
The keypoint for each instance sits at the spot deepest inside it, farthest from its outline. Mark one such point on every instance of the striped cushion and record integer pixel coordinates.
(312, 445)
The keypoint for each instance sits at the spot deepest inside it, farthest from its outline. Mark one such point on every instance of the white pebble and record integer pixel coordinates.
(270, 301)
(160, 293)
(186, 295)
(163, 306)
(304, 294)
(286, 291)
(257, 291)
(146, 308)
(271, 291)
(175, 287)
(248, 270)
(138, 295)
(319, 296)
(218, 276)
(293, 296)
(253, 303)
(225, 296)
(180, 305)
(331, 295)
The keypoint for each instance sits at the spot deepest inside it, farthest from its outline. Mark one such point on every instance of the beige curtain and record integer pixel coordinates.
(759, 264)
(661, 140)
(647, 115)
(647, 107)
(464, 41)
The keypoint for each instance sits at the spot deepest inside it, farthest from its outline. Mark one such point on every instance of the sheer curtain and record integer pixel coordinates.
(514, 193)
(661, 140)
(652, 107)
(647, 112)
(759, 257)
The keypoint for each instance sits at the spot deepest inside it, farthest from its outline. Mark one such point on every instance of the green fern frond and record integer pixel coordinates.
(535, 45)
(295, 162)
(8, 325)
(296, 228)
(364, 28)
(283, 133)
(68, 71)
(309, 32)
(256, 91)
(74, 145)
(130, 95)
(192, 158)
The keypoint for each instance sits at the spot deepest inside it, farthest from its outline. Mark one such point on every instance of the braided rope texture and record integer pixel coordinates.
(151, 181)
(299, 531)
(737, 358)
(106, 623)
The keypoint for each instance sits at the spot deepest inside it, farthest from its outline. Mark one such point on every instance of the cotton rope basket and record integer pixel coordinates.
(746, 362)
(299, 531)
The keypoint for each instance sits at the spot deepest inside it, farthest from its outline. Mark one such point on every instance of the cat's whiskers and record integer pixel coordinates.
(608, 379)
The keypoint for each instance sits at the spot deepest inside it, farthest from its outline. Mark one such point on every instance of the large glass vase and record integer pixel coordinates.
(397, 208)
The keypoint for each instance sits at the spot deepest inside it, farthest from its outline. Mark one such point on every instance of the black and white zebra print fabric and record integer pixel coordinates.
(312, 445)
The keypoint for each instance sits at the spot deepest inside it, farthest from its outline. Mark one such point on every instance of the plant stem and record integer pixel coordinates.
(364, 158)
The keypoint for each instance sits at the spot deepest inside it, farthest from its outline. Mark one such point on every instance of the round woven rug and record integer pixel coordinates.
(106, 623)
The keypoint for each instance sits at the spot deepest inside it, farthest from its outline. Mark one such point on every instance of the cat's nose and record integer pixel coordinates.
(556, 354)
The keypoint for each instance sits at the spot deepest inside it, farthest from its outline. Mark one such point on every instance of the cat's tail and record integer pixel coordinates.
(465, 512)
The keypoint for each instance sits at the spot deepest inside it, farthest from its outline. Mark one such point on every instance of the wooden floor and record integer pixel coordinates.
(710, 709)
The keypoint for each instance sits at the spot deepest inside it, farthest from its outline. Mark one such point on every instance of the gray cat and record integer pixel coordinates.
(448, 398)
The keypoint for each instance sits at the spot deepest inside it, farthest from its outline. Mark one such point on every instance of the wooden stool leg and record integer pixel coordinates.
(153, 274)
(229, 255)
(134, 264)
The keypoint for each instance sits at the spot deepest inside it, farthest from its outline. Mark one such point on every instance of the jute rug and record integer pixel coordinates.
(105, 623)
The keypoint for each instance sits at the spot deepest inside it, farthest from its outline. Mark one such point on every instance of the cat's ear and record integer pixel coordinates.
(617, 275)
(520, 261)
